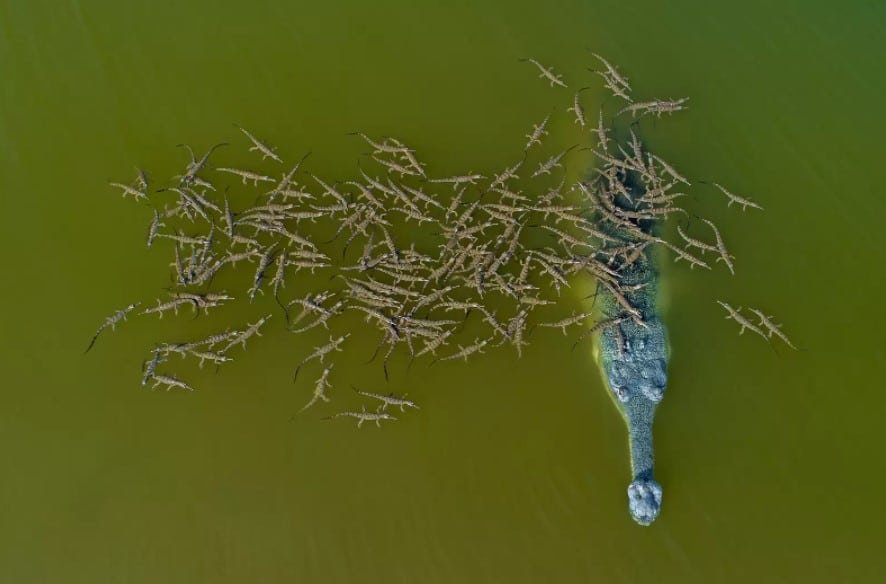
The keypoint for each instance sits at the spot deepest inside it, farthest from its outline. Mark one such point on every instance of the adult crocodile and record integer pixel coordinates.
(632, 352)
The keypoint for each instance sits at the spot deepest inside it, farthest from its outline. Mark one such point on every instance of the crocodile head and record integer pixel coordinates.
(634, 363)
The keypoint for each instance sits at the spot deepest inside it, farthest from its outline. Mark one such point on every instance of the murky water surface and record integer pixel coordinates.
(514, 470)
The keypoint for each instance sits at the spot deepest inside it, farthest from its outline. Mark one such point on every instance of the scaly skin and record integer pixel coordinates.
(636, 375)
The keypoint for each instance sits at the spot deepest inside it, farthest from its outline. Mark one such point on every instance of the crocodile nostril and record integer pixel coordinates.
(644, 500)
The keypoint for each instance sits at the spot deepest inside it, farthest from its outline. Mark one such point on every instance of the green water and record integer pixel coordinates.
(514, 470)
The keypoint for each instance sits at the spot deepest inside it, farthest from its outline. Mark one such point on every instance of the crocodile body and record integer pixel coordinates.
(633, 358)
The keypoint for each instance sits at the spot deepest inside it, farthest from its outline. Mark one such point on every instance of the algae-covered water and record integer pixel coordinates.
(514, 470)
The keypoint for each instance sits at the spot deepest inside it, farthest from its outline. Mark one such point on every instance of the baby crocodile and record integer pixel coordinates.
(364, 416)
(389, 399)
